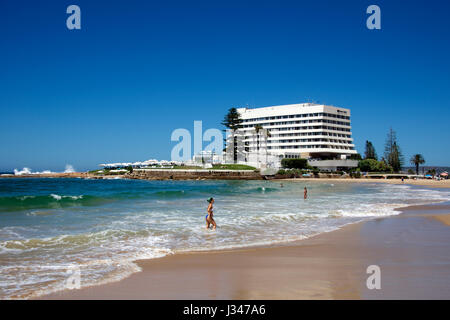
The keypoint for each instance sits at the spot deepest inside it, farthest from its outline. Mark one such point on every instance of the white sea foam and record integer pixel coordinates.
(102, 257)
(21, 172)
(56, 196)
(27, 171)
(23, 198)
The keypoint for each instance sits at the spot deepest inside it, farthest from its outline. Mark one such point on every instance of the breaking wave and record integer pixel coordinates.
(27, 171)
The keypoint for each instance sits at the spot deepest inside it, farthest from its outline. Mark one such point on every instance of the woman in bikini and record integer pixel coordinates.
(209, 216)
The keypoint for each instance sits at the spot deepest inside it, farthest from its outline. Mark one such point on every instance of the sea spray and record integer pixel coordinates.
(27, 171)
(21, 172)
(69, 169)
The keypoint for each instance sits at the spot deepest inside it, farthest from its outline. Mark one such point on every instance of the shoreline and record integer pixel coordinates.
(420, 182)
(330, 265)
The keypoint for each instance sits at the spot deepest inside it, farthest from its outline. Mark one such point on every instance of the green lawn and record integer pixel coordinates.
(96, 171)
(187, 167)
(232, 167)
(105, 172)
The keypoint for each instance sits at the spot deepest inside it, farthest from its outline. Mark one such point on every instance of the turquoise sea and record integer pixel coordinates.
(49, 226)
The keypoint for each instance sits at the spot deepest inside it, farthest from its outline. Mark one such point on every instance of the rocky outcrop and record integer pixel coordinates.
(160, 174)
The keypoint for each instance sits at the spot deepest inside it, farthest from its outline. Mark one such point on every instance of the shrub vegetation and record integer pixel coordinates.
(294, 163)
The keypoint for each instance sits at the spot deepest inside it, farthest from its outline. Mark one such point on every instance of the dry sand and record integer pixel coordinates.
(444, 218)
(411, 250)
(420, 182)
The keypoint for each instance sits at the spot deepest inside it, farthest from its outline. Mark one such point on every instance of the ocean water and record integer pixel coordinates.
(50, 229)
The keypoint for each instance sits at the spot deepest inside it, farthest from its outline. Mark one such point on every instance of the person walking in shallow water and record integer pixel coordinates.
(209, 216)
(305, 193)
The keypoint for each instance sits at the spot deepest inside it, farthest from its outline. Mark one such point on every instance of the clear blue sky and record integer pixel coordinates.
(116, 89)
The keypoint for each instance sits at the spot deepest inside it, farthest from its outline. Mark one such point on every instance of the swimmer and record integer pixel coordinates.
(209, 216)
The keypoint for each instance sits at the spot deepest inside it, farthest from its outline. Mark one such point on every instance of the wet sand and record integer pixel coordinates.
(412, 250)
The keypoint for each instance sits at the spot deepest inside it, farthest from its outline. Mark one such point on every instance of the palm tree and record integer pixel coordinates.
(416, 160)
(258, 128)
(266, 137)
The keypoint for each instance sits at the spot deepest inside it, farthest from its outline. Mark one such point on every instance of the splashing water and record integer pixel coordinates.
(69, 169)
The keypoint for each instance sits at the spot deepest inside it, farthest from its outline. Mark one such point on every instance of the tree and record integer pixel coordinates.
(355, 156)
(370, 152)
(417, 160)
(233, 122)
(392, 152)
(396, 158)
(372, 165)
(367, 165)
(266, 138)
(257, 128)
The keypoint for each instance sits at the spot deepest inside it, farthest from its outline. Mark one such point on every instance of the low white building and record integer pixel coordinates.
(206, 157)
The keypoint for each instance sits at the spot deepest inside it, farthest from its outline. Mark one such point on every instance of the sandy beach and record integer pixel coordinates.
(420, 182)
(411, 250)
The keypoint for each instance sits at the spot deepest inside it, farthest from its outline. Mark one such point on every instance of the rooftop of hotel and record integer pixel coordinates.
(289, 108)
(307, 104)
(294, 105)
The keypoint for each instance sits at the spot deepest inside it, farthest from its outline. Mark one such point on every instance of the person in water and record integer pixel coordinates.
(305, 193)
(209, 216)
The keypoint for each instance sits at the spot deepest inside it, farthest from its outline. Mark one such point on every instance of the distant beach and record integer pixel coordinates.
(419, 182)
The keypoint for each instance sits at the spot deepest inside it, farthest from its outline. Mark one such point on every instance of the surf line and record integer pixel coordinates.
(200, 310)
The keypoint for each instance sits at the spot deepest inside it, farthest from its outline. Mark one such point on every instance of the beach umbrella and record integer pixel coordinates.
(444, 174)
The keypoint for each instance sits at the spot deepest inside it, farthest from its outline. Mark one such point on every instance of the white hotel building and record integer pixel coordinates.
(319, 133)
